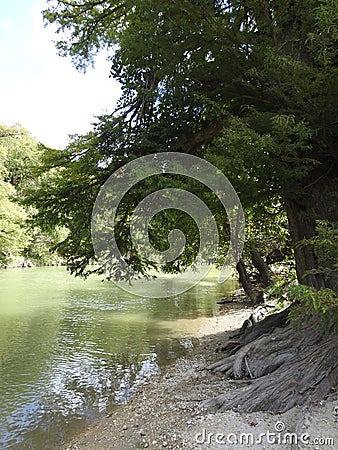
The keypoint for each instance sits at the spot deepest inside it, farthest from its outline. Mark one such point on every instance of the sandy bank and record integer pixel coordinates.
(166, 412)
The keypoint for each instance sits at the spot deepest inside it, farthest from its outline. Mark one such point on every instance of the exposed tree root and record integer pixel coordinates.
(256, 330)
(288, 367)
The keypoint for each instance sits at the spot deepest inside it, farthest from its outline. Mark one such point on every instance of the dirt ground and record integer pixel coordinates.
(166, 411)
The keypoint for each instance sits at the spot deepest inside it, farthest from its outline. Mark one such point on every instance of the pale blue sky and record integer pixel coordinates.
(39, 89)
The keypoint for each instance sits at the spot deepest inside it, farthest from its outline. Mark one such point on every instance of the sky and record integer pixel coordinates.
(39, 89)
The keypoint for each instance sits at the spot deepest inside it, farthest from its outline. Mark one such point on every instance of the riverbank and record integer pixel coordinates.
(166, 411)
(21, 262)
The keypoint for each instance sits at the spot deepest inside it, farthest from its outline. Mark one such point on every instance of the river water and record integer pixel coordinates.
(72, 349)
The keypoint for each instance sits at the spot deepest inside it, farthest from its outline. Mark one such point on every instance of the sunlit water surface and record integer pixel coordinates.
(71, 349)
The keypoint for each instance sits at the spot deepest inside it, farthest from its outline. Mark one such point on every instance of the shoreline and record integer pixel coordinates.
(166, 412)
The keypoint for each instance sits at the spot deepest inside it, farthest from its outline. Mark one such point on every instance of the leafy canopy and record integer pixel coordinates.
(250, 85)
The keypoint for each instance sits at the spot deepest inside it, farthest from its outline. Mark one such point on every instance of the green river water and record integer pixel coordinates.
(72, 349)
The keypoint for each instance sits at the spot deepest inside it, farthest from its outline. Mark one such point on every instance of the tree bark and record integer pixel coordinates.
(262, 267)
(255, 295)
(272, 355)
(317, 202)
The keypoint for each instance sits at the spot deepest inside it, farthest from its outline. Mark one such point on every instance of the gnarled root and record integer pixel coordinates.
(288, 367)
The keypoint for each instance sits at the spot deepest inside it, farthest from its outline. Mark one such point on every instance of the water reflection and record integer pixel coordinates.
(70, 350)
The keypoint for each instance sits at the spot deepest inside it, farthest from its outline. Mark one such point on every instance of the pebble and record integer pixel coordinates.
(125, 427)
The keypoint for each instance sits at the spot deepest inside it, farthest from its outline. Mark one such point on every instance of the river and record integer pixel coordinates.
(72, 349)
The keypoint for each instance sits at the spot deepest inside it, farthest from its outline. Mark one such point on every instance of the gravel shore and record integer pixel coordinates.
(166, 410)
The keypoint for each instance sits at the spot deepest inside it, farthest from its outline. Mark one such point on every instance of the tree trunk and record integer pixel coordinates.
(317, 202)
(262, 267)
(255, 295)
(286, 366)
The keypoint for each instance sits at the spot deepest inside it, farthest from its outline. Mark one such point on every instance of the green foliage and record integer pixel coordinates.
(249, 85)
(325, 45)
(20, 159)
(325, 245)
(93, 24)
(306, 302)
(309, 302)
(279, 290)
(13, 235)
(41, 247)
(15, 147)
(267, 228)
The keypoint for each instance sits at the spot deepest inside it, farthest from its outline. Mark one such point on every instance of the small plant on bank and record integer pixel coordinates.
(309, 302)
(325, 247)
